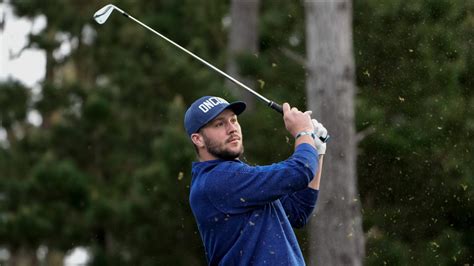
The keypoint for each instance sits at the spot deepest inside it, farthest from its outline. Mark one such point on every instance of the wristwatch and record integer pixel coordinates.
(306, 133)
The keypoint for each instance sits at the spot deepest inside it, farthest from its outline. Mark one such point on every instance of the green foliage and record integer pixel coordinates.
(385, 251)
(414, 71)
(13, 103)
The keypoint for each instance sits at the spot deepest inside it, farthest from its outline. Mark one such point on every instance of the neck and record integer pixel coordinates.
(206, 156)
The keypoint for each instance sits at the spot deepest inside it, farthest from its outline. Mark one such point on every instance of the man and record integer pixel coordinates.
(245, 214)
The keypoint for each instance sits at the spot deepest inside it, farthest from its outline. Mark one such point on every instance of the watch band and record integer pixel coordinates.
(306, 133)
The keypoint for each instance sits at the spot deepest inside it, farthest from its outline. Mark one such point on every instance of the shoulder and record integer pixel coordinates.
(229, 168)
(218, 167)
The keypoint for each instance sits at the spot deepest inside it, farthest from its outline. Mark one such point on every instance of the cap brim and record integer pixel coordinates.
(237, 107)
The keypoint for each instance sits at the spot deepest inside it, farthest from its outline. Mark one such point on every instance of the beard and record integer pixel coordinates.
(219, 150)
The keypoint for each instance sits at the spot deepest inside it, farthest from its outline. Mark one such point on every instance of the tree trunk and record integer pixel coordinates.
(243, 39)
(22, 257)
(336, 235)
(54, 257)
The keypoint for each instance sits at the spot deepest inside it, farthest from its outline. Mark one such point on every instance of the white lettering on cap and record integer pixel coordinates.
(211, 103)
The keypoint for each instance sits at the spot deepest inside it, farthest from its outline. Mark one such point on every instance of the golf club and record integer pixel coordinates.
(103, 14)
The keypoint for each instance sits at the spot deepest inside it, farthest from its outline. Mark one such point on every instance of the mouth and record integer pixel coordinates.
(233, 139)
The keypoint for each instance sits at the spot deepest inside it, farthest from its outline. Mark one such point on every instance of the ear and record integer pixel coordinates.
(198, 140)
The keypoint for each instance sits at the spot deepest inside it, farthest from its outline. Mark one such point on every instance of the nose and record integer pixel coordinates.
(232, 128)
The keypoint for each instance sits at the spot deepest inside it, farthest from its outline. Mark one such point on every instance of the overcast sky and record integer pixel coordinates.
(29, 66)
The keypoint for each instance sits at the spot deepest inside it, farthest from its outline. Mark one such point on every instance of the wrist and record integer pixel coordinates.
(303, 129)
(305, 133)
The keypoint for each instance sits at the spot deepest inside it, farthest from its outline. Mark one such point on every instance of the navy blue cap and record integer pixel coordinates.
(206, 108)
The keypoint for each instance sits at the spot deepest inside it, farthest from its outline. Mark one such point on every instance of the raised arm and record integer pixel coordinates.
(299, 205)
(314, 184)
(320, 131)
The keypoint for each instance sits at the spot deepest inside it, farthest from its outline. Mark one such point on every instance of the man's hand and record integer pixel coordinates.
(319, 131)
(295, 120)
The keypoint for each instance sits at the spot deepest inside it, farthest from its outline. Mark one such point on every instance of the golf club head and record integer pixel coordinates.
(103, 14)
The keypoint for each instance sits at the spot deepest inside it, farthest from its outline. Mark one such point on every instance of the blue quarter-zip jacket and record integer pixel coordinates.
(245, 214)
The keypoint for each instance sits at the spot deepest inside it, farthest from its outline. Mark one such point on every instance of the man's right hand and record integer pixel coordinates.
(296, 121)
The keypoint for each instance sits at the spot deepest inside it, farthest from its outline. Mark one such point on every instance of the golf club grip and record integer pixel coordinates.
(276, 107)
(279, 109)
(324, 140)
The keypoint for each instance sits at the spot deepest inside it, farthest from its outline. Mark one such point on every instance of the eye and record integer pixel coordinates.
(219, 124)
(233, 120)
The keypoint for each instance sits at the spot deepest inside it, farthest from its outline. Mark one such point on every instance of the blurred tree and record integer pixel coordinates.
(415, 71)
(100, 115)
(336, 232)
(243, 44)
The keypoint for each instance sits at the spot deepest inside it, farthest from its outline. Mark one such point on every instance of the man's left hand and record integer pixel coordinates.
(320, 131)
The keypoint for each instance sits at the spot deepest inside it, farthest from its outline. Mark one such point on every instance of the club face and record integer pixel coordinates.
(103, 14)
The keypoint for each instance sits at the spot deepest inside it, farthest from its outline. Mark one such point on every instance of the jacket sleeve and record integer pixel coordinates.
(299, 206)
(235, 187)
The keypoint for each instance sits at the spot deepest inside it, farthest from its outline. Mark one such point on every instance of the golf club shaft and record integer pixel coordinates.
(272, 104)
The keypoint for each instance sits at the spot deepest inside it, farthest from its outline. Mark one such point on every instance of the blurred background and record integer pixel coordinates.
(94, 159)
